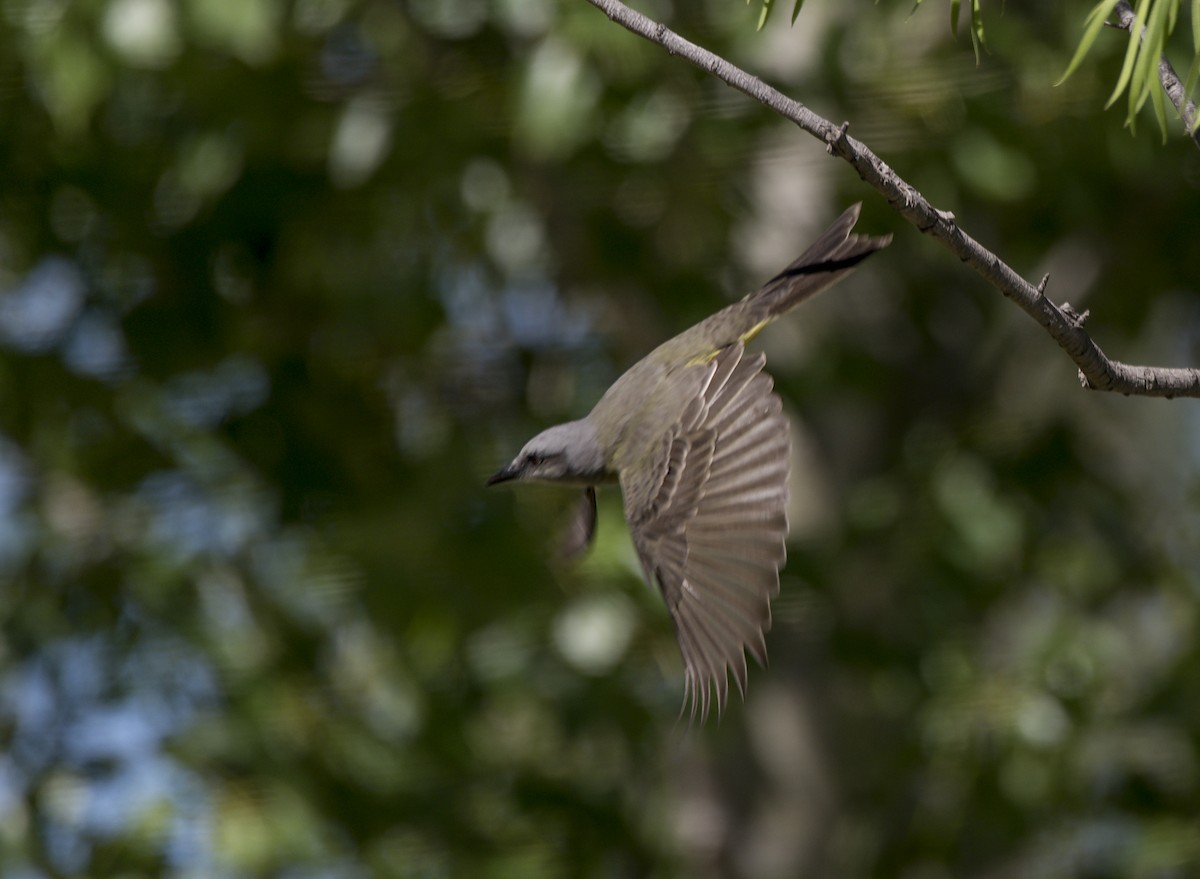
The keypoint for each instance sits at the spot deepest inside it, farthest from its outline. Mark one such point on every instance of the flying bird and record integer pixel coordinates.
(695, 436)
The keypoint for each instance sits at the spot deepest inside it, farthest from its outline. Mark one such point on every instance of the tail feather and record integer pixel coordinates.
(830, 258)
(833, 256)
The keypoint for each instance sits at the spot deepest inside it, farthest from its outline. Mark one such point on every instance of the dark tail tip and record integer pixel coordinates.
(837, 245)
(831, 257)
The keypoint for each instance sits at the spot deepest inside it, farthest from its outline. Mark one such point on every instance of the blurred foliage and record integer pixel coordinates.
(282, 282)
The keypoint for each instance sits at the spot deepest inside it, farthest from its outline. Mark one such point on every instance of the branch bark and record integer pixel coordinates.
(1065, 325)
(1167, 77)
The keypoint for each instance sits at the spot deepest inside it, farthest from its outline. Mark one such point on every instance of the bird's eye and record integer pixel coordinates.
(534, 460)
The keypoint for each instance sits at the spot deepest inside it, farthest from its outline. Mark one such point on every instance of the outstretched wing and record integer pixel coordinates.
(709, 521)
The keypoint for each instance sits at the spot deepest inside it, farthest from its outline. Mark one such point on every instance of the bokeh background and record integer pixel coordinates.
(282, 281)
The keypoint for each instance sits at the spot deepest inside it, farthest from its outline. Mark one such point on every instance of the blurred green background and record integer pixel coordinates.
(282, 282)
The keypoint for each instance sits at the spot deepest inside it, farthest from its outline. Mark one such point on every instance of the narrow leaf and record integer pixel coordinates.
(1145, 76)
(1146, 64)
(954, 10)
(1160, 111)
(800, 3)
(1092, 27)
(976, 29)
(1131, 52)
(764, 12)
(1189, 81)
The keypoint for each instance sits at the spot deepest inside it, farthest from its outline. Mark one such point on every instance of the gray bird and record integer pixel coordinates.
(697, 440)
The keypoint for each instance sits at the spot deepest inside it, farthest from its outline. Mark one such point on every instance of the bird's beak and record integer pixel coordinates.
(504, 474)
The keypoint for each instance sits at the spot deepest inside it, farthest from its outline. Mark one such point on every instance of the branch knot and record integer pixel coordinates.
(834, 139)
(1076, 318)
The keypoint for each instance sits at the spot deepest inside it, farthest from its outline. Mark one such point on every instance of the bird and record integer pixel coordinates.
(695, 437)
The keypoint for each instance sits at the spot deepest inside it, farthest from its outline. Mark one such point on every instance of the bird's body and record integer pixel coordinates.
(697, 440)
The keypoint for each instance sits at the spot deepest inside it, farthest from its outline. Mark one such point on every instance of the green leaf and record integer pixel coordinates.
(1131, 52)
(1145, 68)
(1160, 111)
(976, 29)
(1196, 26)
(1092, 26)
(1145, 82)
(766, 11)
(769, 5)
(976, 23)
(1189, 81)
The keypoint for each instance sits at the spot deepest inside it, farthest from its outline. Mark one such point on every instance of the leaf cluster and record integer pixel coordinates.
(1153, 22)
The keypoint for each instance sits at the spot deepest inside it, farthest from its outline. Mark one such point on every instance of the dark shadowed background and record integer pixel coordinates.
(282, 282)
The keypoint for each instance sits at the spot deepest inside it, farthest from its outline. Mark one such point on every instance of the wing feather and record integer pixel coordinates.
(717, 585)
(711, 523)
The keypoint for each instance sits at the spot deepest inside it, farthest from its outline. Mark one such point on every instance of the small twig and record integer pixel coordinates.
(1075, 317)
(1096, 369)
(841, 132)
(1171, 83)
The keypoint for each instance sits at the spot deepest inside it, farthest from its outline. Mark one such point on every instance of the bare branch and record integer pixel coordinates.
(1171, 83)
(1096, 370)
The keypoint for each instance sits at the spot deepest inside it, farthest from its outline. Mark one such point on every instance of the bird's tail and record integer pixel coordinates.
(830, 258)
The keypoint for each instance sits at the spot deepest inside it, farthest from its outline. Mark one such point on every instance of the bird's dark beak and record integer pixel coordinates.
(504, 474)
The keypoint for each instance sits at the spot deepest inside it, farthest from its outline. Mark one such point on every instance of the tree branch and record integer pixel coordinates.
(1064, 324)
(1171, 83)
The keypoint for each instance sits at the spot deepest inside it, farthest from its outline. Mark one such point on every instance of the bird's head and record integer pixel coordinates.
(565, 454)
